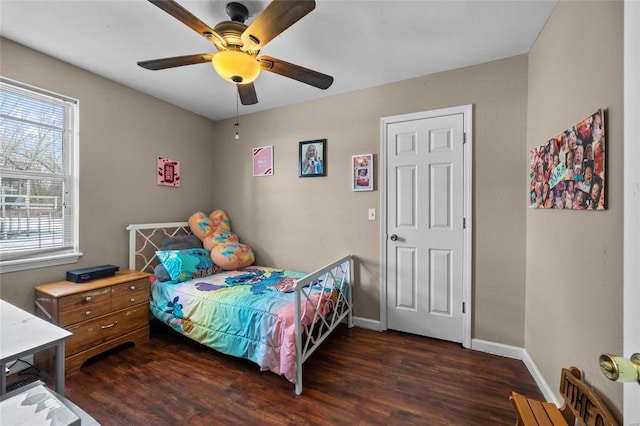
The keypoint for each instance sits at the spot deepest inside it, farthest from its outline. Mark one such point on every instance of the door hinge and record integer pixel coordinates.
(464, 138)
(464, 310)
(464, 223)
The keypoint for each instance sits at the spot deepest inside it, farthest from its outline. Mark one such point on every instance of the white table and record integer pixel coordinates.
(22, 333)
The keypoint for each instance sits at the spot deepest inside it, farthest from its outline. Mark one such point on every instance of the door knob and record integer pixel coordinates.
(620, 369)
(393, 237)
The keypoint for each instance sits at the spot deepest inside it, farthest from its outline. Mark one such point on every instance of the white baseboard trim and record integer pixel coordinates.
(497, 349)
(366, 323)
(540, 381)
(521, 354)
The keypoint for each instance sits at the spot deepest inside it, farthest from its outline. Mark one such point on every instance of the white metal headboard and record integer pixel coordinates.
(145, 239)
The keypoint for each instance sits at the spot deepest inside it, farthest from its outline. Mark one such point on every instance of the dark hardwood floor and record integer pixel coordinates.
(358, 377)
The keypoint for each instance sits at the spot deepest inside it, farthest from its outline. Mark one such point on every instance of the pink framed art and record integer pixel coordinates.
(263, 161)
(168, 172)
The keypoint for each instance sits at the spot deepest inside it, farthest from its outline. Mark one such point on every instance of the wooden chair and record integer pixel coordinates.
(580, 403)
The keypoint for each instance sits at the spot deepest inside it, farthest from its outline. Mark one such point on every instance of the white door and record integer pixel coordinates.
(425, 205)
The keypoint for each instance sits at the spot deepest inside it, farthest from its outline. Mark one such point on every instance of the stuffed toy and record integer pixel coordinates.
(219, 237)
(225, 247)
(200, 225)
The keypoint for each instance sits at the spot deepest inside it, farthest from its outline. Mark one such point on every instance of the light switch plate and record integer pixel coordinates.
(372, 214)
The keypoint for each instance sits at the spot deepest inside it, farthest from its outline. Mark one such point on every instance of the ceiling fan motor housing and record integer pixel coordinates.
(231, 32)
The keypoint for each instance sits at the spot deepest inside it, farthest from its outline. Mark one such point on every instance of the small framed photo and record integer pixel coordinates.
(313, 158)
(263, 161)
(362, 172)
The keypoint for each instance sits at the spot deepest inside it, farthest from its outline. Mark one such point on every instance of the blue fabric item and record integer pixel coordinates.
(187, 264)
(248, 313)
(161, 273)
(179, 242)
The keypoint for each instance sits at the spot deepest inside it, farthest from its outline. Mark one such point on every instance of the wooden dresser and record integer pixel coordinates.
(101, 314)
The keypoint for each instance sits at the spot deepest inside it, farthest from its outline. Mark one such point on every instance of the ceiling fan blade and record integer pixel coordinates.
(190, 20)
(274, 19)
(247, 94)
(296, 72)
(176, 61)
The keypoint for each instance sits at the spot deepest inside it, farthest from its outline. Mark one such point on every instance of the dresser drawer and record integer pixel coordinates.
(126, 300)
(131, 287)
(99, 330)
(90, 310)
(85, 299)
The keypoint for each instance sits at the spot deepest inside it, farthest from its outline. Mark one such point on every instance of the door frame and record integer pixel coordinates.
(631, 227)
(467, 261)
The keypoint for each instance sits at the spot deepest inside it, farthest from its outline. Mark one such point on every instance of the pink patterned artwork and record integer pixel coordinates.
(168, 172)
(263, 161)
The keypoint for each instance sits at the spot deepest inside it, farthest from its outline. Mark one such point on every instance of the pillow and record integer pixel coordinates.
(175, 243)
(180, 242)
(233, 256)
(219, 237)
(183, 265)
(161, 273)
(200, 225)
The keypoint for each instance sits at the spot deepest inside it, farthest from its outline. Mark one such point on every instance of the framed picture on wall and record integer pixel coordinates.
(168, 172)
(568, 171)
(263, 161)
(312, 158)
(362, 172)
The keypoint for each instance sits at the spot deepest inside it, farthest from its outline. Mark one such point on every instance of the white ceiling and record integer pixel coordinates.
(361, 43)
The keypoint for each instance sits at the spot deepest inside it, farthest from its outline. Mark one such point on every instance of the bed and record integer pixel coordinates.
(274, 317)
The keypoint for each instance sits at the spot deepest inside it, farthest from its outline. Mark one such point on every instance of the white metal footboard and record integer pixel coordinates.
(334, 281)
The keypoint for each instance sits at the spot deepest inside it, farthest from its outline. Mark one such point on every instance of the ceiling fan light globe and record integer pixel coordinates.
(236, 66)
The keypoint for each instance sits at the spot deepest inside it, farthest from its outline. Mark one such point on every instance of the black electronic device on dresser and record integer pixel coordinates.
(88, 274)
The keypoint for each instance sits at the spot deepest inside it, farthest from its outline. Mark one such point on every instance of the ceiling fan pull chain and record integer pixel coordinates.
(236, 124)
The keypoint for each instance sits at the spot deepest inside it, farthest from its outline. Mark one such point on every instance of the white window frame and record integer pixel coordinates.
(32, 260)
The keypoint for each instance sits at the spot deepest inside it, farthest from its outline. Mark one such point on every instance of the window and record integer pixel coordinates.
(38, 178)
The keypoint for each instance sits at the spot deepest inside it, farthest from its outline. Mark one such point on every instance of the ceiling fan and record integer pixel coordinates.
(238, 45)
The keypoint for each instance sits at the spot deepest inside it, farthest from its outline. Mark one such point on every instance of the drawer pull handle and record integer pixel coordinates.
(133, 287)
(132, 300)
(109, 326)
(87, 313)
(87, 299)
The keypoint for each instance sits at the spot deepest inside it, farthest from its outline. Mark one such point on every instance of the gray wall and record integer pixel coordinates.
(121, 134)
(574, 258)
(306, 222)
(300, 223)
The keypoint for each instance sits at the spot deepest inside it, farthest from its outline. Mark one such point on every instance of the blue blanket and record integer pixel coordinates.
(248, 313)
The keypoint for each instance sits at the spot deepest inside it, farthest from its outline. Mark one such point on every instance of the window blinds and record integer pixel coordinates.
(38, 136)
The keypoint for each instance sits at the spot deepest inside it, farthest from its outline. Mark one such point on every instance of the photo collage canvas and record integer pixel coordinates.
(568, 172)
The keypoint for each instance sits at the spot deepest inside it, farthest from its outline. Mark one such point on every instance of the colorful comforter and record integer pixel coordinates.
(247, 313)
